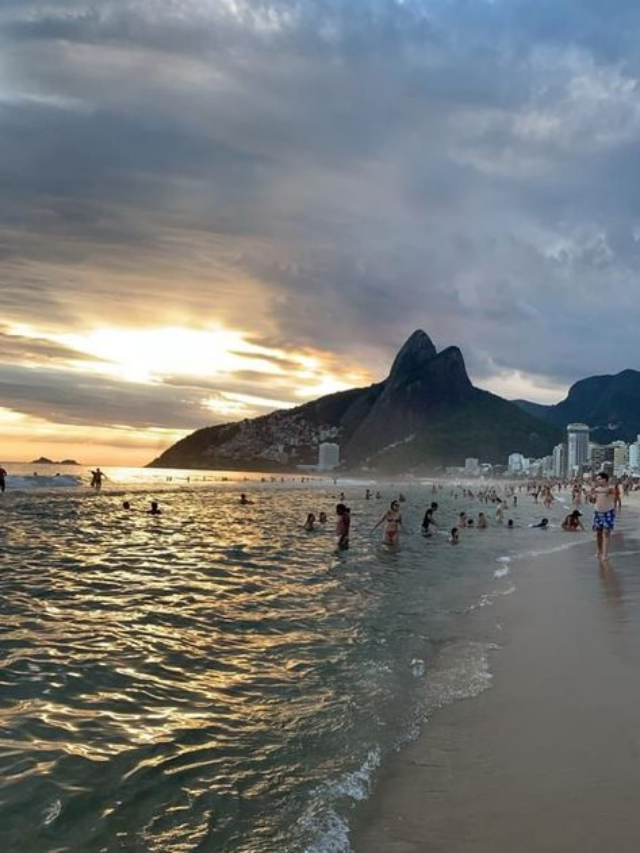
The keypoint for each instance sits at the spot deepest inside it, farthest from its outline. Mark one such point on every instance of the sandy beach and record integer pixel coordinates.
(548, 758)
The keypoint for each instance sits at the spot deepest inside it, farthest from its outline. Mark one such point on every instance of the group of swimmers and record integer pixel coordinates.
(153, 510)
(602, 494)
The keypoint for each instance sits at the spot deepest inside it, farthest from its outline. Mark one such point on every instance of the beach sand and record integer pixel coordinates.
(548, 759)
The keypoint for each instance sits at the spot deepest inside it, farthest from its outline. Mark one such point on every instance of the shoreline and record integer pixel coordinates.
(546, 759)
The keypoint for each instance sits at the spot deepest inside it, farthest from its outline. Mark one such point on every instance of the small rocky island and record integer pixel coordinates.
(44, 461)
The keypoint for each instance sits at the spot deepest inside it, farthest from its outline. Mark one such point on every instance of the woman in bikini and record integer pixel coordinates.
(393, 524)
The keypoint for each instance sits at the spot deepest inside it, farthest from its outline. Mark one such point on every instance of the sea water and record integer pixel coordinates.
(215, 678)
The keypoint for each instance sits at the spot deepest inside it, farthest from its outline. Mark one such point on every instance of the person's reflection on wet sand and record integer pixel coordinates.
(611, 585)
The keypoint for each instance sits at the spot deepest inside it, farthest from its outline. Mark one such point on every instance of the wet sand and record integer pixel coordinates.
(548, 759)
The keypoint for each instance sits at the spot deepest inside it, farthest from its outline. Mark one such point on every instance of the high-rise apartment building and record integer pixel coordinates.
(328, 456)
(577, 448)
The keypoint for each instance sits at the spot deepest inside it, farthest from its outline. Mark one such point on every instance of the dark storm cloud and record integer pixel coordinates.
(374, 166)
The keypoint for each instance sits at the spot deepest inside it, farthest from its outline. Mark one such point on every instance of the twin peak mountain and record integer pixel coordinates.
(425, 415)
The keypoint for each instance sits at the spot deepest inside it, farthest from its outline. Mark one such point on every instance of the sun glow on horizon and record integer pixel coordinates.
(222, 372)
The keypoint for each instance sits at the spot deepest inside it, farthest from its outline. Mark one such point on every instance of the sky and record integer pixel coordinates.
(210, 209)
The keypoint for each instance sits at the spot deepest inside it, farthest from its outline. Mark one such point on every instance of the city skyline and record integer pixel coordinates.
(211, 210)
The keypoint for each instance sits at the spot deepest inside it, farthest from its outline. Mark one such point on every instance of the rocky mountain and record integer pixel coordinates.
(425, 414)
(610, 405)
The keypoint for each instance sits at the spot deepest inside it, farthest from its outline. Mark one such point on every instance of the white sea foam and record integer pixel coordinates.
(501, 573)
(323, 820)
(462, 672)
(490, 598)
(418, 668)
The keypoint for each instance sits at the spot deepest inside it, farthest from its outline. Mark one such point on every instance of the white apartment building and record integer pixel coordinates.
(328, 456)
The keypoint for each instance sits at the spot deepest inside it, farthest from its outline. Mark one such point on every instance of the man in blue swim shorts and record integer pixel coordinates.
(604, 517)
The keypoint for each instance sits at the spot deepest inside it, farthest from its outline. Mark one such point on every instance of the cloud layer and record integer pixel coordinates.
(323, 176)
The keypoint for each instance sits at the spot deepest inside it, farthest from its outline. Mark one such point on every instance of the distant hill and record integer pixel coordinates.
(610, 405)
(44, 461)
(426, 414)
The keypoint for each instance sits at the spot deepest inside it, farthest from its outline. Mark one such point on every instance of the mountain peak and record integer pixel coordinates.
(417, 350)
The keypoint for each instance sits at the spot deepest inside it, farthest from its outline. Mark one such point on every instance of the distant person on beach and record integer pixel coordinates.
(155, 509)
(343, 526)
(322, 518)
(244, 500)
(454, 536)
(617, 498)
(392, 521)
(97, 477)
(499, 512)
(543, 524)
(510, 524)
(482, 521)
(3, 479)
(572, 521)
(604, 517)
(310, 522)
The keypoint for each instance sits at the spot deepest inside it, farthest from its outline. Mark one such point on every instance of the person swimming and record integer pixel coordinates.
(244, 500)
(322, 518)
(155, 509)
(393, 524)
(310, 522)
(454, 536)
(543, 524)
(482, 521)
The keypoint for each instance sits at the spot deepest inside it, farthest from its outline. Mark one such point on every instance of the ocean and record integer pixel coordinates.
(215, 678)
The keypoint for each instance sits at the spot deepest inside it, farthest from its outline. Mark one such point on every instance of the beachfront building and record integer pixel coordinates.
(559, 464)
(328, 456)
(620, 457)
(517, 464)
(634, 457)
(577, 448)
(598, 455)
(472, 466)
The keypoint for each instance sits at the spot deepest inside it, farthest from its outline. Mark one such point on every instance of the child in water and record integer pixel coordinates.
(342, 527)
(454, 536)
(310, 522)
(393, 524)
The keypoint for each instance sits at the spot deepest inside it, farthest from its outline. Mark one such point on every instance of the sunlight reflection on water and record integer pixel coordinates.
(199, 680)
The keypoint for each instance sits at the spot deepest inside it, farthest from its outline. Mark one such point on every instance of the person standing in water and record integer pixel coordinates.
(393, 524)
(3, 479)
(343, 526)
(428, 522)
(604, 517)
(97, 477)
